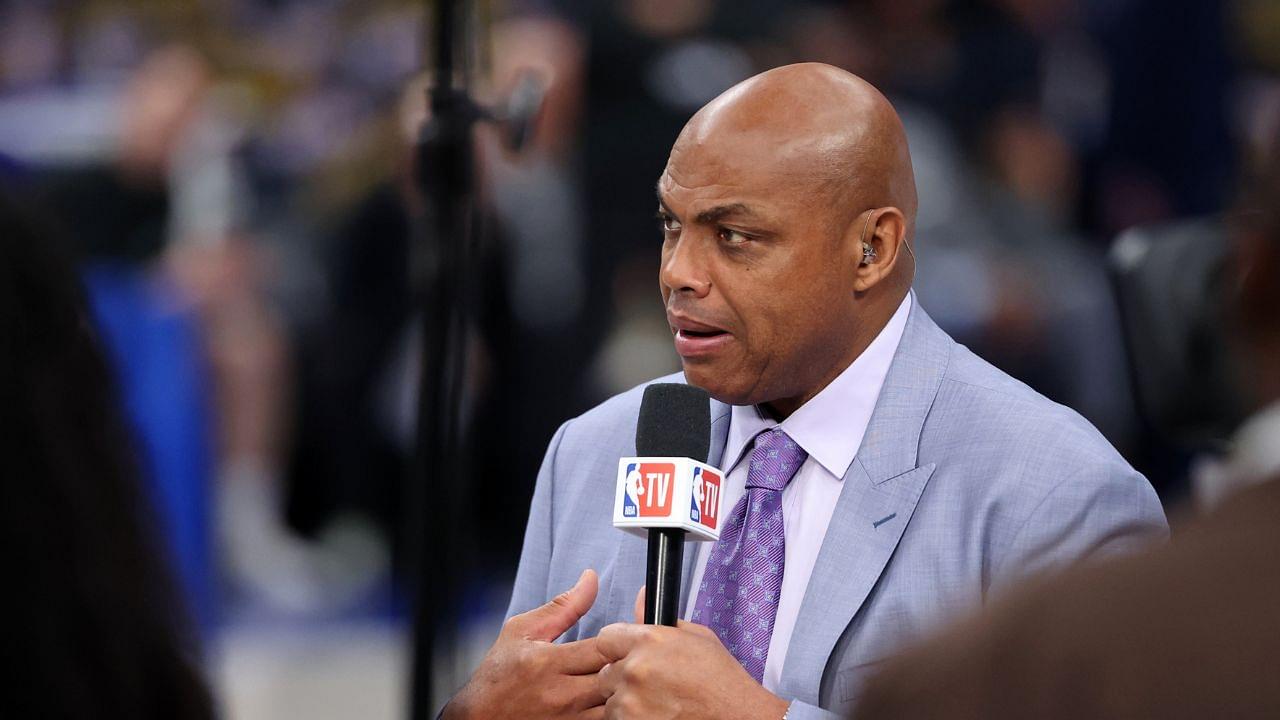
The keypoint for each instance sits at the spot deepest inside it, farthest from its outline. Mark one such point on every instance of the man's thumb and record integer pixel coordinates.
(639, 609)
(551, 620)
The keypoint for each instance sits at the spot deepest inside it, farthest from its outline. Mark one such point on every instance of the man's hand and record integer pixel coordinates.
(526, 676)
(677, 672)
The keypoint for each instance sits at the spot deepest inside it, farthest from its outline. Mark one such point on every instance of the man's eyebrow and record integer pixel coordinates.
(710, 215)
(719, 212)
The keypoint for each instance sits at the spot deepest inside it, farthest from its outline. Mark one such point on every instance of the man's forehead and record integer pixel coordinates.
(795, 151)
(719, 170)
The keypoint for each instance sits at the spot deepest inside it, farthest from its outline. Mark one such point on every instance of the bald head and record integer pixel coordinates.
(818, 125)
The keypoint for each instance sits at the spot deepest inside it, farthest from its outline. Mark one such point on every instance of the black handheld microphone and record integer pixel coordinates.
(675, 421)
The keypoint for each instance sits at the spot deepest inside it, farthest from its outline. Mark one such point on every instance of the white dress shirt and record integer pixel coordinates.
(830, 428)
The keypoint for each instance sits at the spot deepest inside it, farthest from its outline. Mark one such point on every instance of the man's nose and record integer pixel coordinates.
(683, 270)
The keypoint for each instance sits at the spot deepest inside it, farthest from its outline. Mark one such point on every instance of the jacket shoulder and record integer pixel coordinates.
(1003, 416)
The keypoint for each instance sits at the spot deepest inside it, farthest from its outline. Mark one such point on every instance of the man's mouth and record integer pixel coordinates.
(697, 340)
(700, 333)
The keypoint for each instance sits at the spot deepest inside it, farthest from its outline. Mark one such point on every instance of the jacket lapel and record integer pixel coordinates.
(881, 489)
(631, 559)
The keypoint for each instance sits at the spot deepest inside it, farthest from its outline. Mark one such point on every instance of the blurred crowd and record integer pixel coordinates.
(236, 179)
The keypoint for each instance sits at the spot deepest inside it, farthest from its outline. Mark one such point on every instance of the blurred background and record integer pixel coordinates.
(235, 179)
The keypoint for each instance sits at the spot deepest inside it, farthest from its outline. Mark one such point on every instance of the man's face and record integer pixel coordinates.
(756, 271)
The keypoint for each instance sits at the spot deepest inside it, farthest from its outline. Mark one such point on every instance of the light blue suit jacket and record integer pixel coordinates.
(966, 480)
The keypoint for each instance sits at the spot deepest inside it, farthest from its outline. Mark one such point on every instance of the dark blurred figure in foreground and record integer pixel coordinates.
(1189, 630)
(93, 627)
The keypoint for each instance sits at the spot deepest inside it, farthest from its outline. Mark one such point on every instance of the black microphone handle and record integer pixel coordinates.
(662, 576)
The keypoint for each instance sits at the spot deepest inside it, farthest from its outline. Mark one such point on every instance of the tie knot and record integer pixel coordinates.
(774, 461)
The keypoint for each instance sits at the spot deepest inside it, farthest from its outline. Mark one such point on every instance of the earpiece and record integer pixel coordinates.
(868, 254)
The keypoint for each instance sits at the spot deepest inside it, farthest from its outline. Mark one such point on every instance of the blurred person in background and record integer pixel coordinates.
(180, 287)
(358, 362)
(122, 211)
(1190, 630)
(94, 625)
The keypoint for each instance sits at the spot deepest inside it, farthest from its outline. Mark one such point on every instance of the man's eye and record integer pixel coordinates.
(732, 237)
(670, 224)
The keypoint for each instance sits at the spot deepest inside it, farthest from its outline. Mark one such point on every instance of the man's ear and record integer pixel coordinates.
(882, 242)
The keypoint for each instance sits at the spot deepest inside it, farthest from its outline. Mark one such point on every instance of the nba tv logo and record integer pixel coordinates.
(706, 496)
(648, 490)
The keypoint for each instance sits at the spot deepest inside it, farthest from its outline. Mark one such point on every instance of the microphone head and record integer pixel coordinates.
(675, 421)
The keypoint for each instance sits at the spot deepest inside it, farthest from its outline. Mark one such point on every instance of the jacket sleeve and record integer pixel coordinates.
(530, 589)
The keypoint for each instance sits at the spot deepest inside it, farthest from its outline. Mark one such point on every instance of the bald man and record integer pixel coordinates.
(881, 477)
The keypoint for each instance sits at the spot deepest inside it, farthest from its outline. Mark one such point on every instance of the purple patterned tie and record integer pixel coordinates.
(738, 597)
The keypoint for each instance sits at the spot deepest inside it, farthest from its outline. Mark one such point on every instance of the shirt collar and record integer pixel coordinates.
(830, 426)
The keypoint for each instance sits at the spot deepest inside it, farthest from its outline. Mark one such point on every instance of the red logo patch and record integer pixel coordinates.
(653, 488)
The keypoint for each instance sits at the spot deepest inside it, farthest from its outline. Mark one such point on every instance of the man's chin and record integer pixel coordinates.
(705, 376)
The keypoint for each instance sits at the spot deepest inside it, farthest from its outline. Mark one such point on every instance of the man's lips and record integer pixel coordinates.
(696, 339)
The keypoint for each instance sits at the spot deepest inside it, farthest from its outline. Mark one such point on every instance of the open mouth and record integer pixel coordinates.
(701, 333)
(697, 340)
(701, 344)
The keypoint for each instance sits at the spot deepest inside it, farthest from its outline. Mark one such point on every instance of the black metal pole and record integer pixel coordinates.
(442, 278)
(447, 287)
(662, 577)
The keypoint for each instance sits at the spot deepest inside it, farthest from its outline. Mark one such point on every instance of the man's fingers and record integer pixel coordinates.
(607, 681)
(640, 605)
(697, 629)
(584, 691)
(551, 620)
(616, 641)
(581, 657)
